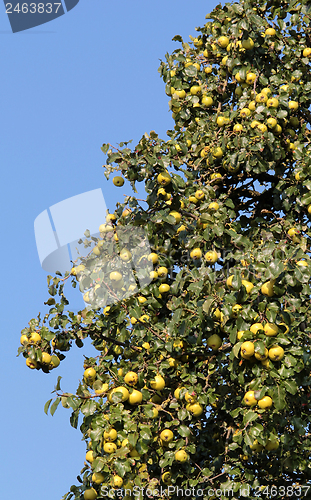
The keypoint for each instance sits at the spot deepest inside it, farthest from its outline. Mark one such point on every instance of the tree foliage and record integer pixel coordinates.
(221, 356)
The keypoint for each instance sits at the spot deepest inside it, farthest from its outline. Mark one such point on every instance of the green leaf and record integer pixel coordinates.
(290, 386)
(54, 406)
(278, 397)
(250, 416)
(184, 431)
(47, 405)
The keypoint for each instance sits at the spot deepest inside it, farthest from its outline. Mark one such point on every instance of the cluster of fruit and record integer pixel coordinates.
(38, 354)
(116, 442)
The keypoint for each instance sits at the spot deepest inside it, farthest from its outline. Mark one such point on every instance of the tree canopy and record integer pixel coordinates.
(201, 378)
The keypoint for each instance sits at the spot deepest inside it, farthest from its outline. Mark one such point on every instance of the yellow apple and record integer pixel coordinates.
(248, 349)
(276, 353)
(181, 456)
(271, 330)
(267, 289)
(211, 257)
(265, 402)
(118, 181)
(249, 398)
(131, 378)
(196, 253)
(135, 397)
(167, 436)
(158, 383)
(90, 494)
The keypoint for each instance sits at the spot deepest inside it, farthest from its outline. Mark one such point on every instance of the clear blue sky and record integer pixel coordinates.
(67, 86)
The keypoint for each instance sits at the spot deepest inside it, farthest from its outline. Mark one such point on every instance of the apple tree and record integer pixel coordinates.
(200, 380)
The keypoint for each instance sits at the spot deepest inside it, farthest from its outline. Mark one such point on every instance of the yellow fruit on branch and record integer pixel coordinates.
(276, 353)
(271, 330)
(267, 288)
(158, 383)
(131, 378)
(265, 402)
(196, 254)
(214, 341)
(248, 349)
(181, 456)
(249, 398)
(167, 436)
(90, 494)
(118, 181)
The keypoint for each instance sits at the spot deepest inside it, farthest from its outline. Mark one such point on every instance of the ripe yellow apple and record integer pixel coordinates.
(248, 285)
(199, 194)
(207, 101)
(195, 89)
(261, 97)
(272, 102)
(271, 122)
(256, 327)
(238, 77)
(248, 349)
(213, 207)
(141, 299)
(153, 274)
(262, 357)
(98, 478)
(211, 257)
(153, 257)
(89, 375)
(222, 120)
(164, 178)
(120, 390)
(181, 94)
(31, 363)
(125, 255)
(24, 339)
(271, 330)
(162, 272)
(46, 358)
(34, 338)
(195, 408)
(158, 383)
(110, 448)
(131, 378)
(270, 32)
(252, 106)
(223, 41)
(196, 253)
(176, 215)
(250, 78)
(265, 402)
(144, 318)
(117, 481)
(118, 181)
(293, 105)
(164, 288)
(110, 218)
(89, 457)
(276, 353)
(181, 456)
(265, 363)
(250, 399)
(90, 494)
(214, 341)
(115, 276)
(238, 127)
(267, 289)
(245, 112)
(135, 397)
(217, 152)
(167, 436)
(166, 478)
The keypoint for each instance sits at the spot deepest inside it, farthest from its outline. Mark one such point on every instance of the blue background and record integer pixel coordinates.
(67, 87)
